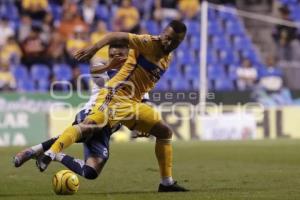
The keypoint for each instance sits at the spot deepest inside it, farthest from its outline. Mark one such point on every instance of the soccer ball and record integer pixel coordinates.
(65, 182)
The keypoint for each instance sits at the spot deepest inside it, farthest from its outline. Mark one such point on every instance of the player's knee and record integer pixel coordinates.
(89, 172)
(87, 127)
(161, 131)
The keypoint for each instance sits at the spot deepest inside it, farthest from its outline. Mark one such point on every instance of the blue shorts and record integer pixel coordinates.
(98, 144)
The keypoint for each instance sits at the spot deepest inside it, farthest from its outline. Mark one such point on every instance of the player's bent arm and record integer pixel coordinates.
(112, 37)
(99, 68)
(89, 52)
(114, 63)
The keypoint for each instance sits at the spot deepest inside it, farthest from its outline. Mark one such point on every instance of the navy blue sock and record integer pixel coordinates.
(47, 144)
(79, 167)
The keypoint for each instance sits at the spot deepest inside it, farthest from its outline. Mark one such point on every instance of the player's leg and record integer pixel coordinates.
(96, 153)
(148, 120)
(72, 134)
(34, 151)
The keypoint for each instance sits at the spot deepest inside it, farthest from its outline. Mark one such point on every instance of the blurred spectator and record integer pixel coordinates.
(270, 90)
(78, 83)
(47, 28)
(25, 27)
(101, 30)
(68, 24)
(88, 11)
(7, 80)
(189, 8)
(36, 9)
(75, 43)
(286, 38)
(246, 75)
(127, 18)
(34, 49)
(56, 47)
(11, 52)
(270, 76)
(166, 9)
(5, 30)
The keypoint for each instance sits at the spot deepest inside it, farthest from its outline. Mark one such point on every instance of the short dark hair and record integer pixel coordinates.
(178, 26)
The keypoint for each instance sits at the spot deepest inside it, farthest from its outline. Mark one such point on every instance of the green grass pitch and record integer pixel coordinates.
(268, 169)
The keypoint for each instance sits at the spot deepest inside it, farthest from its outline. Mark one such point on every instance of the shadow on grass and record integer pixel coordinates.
(214, 190)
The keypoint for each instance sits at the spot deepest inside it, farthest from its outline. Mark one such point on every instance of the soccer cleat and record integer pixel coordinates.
(23, 156)
(42, 162)
(172, 188)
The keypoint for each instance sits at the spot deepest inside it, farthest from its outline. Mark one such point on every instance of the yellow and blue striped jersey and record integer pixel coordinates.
(145, 64)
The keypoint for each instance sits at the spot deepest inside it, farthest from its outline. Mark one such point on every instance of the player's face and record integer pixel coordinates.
(170, 40)
(118, 51)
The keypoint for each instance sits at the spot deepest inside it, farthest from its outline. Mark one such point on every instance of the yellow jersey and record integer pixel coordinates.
(145, 65)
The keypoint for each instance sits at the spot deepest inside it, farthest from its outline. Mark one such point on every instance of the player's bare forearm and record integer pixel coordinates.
(98, 69)
(87, 53)
(114, 63)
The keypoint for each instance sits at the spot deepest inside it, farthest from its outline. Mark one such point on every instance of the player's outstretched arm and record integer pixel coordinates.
(88, 52)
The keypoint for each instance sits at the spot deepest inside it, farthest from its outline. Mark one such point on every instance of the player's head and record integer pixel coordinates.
(118, 49)
(172, 35)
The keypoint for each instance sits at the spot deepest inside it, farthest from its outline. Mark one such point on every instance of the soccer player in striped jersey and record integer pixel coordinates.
(121, 100)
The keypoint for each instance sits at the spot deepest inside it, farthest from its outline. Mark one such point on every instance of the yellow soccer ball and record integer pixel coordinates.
(65, 182)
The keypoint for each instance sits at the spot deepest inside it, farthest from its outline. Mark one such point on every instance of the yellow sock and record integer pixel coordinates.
(164, 155)
(69, 136)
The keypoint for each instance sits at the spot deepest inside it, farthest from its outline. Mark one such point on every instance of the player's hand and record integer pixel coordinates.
(85, 54)
(116, 62)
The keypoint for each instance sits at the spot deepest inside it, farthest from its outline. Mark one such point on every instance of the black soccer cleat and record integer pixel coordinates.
(42, 162)
(172, 188)
(23, 156)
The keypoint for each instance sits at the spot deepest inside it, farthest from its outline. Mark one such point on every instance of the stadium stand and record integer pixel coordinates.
(228, 44)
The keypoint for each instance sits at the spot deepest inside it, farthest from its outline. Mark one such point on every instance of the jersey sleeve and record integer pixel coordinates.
(142, 43)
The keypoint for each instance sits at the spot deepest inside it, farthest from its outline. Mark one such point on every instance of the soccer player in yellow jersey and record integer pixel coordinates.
(120, 101)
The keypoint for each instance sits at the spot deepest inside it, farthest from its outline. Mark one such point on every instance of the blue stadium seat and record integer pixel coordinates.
(26, 85)
(56, 11)
(20, 72)
(62, 72)
(40, 72)
(195, 43)
(228, 15)
(43, 85)
(232, 72)
(212, 58)
(153, 27)
(220, 43)
(102, 12)
(180, 83)
(228, 57)
(212, 14)
(9, 10)
(184, 46)
(170, 73)
(240, 43)
(193, 27)
(251, 55)
(192, 71)
(162, 85)
(214, 28)
(84, 69)
(234, 28)
(224, 84)
(215, 71)
(185, 57)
